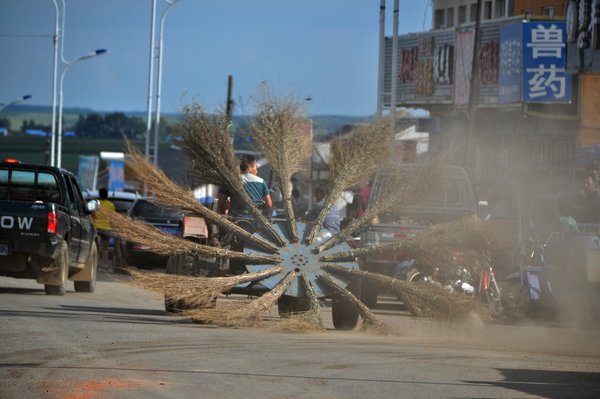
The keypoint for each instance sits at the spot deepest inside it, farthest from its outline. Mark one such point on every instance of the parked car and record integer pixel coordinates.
(169, 220)
(452, 199)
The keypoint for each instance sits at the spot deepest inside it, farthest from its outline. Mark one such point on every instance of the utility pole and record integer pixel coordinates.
(229, 106)
(474, 87)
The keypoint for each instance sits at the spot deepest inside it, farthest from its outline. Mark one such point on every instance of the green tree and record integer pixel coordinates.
(5, 122)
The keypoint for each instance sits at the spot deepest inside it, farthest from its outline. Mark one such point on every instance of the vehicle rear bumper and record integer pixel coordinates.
(31, 255)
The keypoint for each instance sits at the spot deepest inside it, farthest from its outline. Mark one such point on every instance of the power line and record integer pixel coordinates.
(24, 35)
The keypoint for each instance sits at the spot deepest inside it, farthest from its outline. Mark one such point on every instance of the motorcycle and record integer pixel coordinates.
(531, 290)
(459, 279)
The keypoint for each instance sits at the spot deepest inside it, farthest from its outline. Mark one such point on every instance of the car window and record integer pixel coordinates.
(47, 188)
(77, 193)
(71, 195)
(22, 186)
(147, 209)
(29, 185)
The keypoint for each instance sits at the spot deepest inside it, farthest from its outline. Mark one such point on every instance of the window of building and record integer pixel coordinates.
(473, 13)
(439, 21)
(499, 8)
(462, 15)
(548, 11)
(449, 17)
(487, 10)
(528, 13)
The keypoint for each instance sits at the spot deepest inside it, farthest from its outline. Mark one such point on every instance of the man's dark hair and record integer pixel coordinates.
(245, 162)
(320, 190)
(103, 193)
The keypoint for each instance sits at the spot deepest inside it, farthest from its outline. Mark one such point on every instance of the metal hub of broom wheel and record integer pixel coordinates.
(300, 258)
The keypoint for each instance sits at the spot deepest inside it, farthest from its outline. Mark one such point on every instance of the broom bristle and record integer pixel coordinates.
(168, 193)
(247, 315)
(422, 300)
(166, 244)
(363, 151)
(191, 290)
(278, 129)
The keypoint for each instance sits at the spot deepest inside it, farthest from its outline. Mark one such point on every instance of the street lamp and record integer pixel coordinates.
(13, 102)
(159, 78)
(60, 99)
(54, 72)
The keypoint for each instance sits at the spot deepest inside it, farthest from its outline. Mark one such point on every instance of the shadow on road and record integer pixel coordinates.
(12, 290)
(549, 384)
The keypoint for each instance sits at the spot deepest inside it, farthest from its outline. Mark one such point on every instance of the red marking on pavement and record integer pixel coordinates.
(96, 389)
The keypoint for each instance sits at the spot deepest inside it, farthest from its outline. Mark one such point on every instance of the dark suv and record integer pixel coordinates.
(168, 220)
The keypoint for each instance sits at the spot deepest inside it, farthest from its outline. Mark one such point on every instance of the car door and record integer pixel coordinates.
(75, 222)
(86, 226)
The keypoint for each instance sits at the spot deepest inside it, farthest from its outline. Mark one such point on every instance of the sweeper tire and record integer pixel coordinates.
(344, 313)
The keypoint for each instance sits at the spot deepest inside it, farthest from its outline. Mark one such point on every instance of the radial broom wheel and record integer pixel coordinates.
(302, 259)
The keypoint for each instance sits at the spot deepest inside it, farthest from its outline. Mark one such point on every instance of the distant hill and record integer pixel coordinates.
(323, 125)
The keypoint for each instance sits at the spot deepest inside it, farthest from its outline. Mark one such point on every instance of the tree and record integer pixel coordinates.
(5, 122)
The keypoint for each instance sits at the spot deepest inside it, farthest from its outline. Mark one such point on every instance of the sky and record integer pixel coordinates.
(325, 50)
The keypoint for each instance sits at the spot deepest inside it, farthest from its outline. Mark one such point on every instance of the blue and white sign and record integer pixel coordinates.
(544, 50)
(87, 172)
(116, 175)
(509, 74)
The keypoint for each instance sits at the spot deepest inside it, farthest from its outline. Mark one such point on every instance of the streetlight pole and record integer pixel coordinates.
(159, 78)
(54, 75)
(13, 102)
(60, 99)
(150, 80)
(393, 101)
(381, 58)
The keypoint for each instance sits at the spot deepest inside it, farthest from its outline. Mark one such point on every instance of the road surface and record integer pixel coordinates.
(119, 343)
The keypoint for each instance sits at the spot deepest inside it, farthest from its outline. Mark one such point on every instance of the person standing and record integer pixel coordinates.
(332, 220)
(255, 187)
(298, 204)
(103, 226)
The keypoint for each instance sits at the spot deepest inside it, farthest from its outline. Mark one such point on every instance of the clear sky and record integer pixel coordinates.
(325, 49)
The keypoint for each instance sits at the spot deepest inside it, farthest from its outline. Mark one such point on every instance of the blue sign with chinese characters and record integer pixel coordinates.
(544, 50)
(509, 74)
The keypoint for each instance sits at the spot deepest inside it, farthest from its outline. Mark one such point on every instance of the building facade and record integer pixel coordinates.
(523, 122)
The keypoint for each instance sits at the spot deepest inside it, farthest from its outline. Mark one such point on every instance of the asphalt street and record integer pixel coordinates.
(120, 343)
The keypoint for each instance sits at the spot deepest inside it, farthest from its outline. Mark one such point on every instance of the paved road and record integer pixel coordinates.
(119, 343)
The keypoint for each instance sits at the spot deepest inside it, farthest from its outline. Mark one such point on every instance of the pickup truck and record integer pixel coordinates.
(46, 229)
(452, 199)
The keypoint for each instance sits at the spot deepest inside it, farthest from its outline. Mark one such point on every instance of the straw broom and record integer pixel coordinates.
(168, 193)
(206, 140)
(278, 131)
(194, 291)
(436, 246)
(404, 187)
(166, 244)
(304, 321)
(357, 160)
(370, 321)
(422, 299)
(247, 315)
